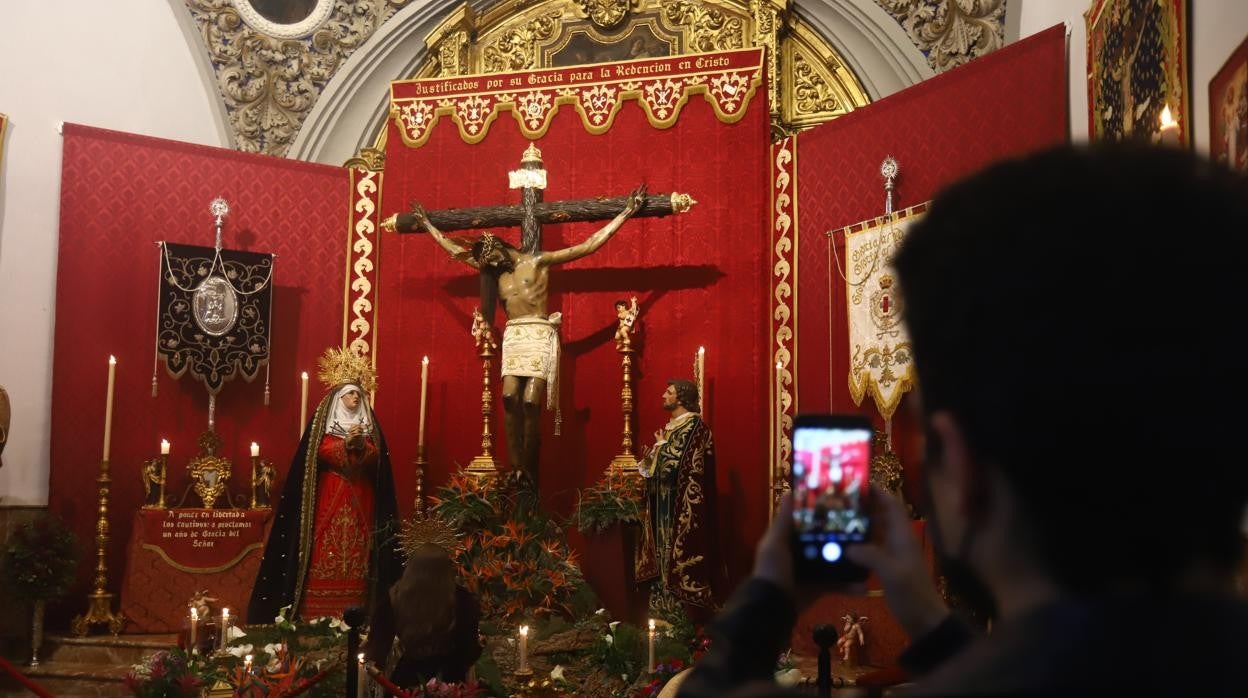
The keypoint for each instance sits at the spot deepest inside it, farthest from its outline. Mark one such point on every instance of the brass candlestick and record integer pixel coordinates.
(99, 601)
(626, 461)
(420, 482)
(484, 465)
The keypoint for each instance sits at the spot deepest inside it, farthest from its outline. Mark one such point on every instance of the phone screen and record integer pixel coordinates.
(829, 481)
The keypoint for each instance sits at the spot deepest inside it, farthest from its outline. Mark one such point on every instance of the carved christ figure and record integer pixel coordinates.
(521, 280)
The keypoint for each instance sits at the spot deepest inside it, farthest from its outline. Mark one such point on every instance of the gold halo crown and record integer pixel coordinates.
(426, 530)
(340, 366)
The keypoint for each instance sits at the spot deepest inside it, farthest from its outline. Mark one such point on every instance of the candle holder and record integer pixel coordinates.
(99, 601)
(484, 466)
(420, 483)
(626, 461)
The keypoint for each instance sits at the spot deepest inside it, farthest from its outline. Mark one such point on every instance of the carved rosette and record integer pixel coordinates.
(783, 287)
(270, 83)
(605, 13)
(950, 32)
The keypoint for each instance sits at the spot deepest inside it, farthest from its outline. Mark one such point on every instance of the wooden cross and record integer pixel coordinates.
(532, 212)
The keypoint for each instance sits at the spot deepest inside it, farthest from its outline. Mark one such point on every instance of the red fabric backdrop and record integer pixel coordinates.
(119, 194)
(697, 276)
(1008, 103)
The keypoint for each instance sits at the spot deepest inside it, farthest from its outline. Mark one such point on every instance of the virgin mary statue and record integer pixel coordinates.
(333, 544)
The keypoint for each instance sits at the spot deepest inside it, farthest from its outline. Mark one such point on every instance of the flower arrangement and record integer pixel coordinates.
(40, 560)
(663, 672)
(167, 674)
(513, 557)
(615, 499)
(437, 689)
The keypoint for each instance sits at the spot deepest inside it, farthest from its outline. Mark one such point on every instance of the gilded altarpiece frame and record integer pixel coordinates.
(809, 83)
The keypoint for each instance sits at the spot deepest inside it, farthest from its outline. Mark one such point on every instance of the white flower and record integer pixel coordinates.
(600, 611)
(273, 666)
(240, 650)
(608, 639)
(236, 632)
(788, 677)
(556, 674)
(339, 624)
(612, 625)
(271, 649)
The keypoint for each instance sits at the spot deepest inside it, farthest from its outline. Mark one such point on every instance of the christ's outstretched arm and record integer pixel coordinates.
(420, 219)
(598, 239)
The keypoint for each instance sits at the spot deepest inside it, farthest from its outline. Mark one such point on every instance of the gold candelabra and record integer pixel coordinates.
(99, 601)
(626, 461)
(484, 465)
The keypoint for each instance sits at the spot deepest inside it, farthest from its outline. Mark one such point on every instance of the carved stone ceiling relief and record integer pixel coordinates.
(950, 32)
(270, 73)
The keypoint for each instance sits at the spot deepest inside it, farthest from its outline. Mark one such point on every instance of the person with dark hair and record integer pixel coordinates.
(1068, 369)
(429, 627)
(675, 548)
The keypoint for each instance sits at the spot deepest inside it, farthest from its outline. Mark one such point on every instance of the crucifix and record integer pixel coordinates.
(519, 277)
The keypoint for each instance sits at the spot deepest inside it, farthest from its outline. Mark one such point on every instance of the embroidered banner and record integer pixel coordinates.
(880, 357)
(213, 312)
(662, 86)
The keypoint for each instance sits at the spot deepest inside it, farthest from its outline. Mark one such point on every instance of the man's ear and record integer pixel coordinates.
(962, 469)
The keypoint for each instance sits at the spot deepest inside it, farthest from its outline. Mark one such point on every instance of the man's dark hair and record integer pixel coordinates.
(686, 394)
(1072, 310)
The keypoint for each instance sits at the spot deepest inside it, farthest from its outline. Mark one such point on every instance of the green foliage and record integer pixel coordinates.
(621, 651)
(489, 676)
(512, 555)
(40, 560)
(614, 500)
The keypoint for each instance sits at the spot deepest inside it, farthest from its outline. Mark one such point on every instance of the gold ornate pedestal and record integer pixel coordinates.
(99, 601)
(626, 462)
(484, 466)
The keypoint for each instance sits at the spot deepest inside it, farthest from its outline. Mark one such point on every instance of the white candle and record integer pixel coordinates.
(303, 404)
(361, 679)
(1169, 134)
(225, 627)
(194, 624)
(164, 447)
(650, 662)
(108, 406)
(255, 450)
(424, 391)
(524, 647)
(701, 365)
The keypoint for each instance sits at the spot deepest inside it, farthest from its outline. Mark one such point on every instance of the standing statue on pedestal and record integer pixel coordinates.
(676, 544)
(521, 280)
(332, 545)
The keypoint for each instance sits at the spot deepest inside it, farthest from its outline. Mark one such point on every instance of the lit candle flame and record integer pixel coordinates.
(1167, 119)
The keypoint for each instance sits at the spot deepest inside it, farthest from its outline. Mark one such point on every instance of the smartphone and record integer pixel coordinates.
(829, 478)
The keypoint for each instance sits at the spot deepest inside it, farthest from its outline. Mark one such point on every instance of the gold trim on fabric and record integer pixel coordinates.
(201, 570)
(783, 290)
(533, 98)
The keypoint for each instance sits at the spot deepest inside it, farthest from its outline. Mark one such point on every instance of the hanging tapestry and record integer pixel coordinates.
(213, 312)
(881, 361)
(1137, 66)
(1228, 111)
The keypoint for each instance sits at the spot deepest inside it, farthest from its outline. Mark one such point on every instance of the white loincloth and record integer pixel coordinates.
(531, 350)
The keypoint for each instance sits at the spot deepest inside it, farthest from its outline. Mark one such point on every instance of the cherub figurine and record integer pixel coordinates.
(627, 315)
(202, 603)
(852, 638)
(483, 334)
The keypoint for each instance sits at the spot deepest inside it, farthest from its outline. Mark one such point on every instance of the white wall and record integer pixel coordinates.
(123, 65)
(1217, 27)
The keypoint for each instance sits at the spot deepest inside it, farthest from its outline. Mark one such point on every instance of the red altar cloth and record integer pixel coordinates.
(174, 553)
